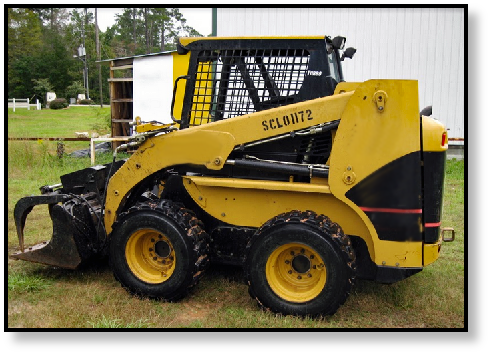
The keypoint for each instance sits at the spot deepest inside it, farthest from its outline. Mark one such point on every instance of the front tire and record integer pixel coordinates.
(300, 263)
(158, 250)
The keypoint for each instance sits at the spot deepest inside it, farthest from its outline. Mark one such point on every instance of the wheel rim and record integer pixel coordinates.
(150, 256)
(296, 272)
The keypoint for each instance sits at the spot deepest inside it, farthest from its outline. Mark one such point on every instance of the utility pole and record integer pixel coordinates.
(98, 49)
(86, 71)
(81, 56)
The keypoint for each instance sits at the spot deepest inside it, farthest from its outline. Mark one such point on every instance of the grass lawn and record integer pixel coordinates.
(62, 123)
(58, 123)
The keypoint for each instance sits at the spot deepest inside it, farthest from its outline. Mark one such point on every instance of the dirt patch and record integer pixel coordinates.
(193, 312)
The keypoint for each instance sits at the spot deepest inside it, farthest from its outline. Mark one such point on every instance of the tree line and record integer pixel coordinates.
(43, 47)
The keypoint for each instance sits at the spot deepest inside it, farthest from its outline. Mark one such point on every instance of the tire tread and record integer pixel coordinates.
(330, 229)
(194, 228)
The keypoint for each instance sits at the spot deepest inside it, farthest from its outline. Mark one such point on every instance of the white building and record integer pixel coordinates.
(426, 44)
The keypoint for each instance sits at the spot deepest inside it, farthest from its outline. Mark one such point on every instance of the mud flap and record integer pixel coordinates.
(62, 250)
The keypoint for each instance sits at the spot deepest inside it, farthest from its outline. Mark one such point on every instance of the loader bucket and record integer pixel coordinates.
(62, 250)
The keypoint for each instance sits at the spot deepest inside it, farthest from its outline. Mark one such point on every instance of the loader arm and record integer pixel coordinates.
(209, 145)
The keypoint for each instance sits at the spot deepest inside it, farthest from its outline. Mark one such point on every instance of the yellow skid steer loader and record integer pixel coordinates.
(273, 162)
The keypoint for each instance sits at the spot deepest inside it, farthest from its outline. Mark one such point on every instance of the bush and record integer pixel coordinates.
(86, 102)
(57, 104)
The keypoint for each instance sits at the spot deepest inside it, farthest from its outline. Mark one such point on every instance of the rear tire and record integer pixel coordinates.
(158, 250)
(300, 263)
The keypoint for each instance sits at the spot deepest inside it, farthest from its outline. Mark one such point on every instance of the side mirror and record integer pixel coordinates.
(348, 53)
(427, 111)
(338, 42)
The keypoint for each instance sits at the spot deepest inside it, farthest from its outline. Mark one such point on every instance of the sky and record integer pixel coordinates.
(198, 18)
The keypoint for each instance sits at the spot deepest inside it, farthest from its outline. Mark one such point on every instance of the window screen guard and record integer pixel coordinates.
(237, 82)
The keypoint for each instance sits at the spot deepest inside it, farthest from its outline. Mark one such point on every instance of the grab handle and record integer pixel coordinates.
(174, 98)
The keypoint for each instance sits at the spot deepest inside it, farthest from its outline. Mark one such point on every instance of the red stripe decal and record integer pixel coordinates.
(435, 224)
(390, 210)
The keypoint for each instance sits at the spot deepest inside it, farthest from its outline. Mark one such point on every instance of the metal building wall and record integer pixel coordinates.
(394, 43)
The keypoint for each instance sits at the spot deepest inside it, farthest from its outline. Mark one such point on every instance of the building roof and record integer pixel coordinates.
(136, 56)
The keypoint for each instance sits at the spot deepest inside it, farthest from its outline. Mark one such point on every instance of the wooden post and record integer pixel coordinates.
(103, 139)
(92, 152)
(60, 149)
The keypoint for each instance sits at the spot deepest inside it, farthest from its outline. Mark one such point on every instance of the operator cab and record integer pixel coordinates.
(228, 78)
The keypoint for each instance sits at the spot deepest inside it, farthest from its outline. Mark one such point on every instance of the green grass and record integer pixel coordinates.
(22, 283)
(64, 123)
(117, 323)
(45, 297)
(58, 123)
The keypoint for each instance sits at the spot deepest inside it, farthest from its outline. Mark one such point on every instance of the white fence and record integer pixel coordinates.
(23, 103)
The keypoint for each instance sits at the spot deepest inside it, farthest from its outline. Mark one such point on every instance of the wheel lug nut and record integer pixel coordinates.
(287, 261)
(292, 253)
(311, 256)
(153, 240)
(150, 249)
(154, 258)
(302, 251)
(309, 275)
(289, 271)
(314, 267)
(299, 277)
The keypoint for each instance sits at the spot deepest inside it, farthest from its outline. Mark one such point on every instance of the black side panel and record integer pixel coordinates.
(434, 175)
(91, 179)
(366, 269)
(392, 199)
(228, 244)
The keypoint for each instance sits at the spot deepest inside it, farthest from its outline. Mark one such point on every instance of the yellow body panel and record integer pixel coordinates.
(261, 184)
(344, 86)
(160, 152)
(379, 123)
(180, 68)
(369, 138)
(147, 127)
(211, 144)
(399, 254)
(431, 252)
(432, 135)
(251, 203)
